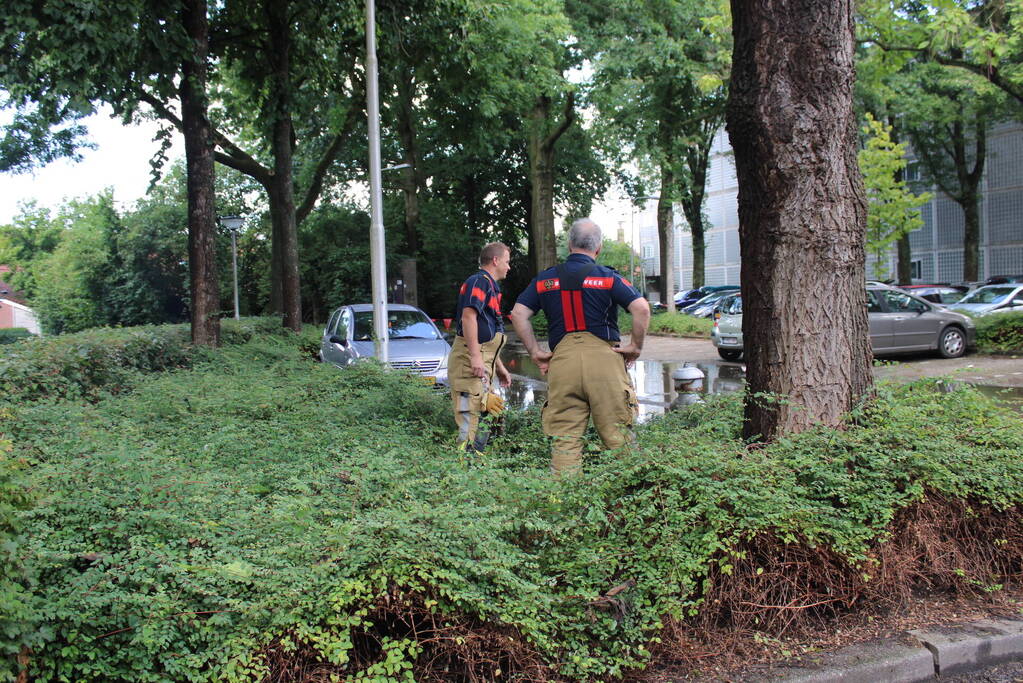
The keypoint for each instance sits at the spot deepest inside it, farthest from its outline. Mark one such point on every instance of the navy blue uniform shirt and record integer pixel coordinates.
(593, 308)
(481, 293)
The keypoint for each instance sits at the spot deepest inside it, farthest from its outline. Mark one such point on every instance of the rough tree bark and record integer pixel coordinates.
(666, 236)
(281, 190)
(543, 247)
(411, 182)
(802, 213)
(202, 219)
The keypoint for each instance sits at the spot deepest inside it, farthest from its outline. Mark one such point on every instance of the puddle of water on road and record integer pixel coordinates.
(651, 378)
(1010, 396)
(653, 383)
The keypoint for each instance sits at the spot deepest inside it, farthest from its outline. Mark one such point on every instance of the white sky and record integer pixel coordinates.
(120, 160)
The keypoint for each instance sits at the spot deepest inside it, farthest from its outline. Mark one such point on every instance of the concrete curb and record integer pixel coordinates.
(921, 655)
(982, 643)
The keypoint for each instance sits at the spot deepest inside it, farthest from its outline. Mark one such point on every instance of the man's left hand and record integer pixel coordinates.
(630, 352)
(504, 377)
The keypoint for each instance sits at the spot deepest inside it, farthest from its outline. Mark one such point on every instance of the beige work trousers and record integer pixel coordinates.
(587, 379)
(468, 391)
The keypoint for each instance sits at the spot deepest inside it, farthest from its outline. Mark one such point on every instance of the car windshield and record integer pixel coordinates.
(400, 325)
(988, 295)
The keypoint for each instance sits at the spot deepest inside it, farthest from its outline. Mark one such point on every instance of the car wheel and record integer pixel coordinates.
(730, 354)
(952, 343)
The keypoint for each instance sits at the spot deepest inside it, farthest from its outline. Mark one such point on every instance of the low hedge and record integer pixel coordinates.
(9, 335)
(672, 324)
(1000, 332)
(261, 517)
(107, 359)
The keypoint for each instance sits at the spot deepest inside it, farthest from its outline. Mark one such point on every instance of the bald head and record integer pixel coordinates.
(585, 236)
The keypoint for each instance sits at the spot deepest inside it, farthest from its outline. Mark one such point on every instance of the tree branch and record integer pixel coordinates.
(324, 164)
(241, 160)
(548, 143)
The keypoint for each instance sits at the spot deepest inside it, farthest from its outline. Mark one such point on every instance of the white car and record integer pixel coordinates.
(414, 342)
(991, 299)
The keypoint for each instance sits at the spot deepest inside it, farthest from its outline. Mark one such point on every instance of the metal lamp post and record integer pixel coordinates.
(233, 224)
(378, 266)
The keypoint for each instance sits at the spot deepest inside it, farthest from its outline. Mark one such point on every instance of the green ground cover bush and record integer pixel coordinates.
(107, 359)
(260, 517)
(9, 335)
(675, 324)
(1000, 333)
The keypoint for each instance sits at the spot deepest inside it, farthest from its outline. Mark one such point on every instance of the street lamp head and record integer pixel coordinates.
(232, 223)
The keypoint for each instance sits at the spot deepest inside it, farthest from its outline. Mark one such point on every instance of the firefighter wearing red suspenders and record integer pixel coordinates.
(586, 369)
(475, 356)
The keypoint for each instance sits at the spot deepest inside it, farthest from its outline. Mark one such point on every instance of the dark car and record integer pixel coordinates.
(689, 297)
(704, 308)
(1004, 280)
(938, 294)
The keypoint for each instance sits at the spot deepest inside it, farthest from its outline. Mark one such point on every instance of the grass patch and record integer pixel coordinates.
(260, 517)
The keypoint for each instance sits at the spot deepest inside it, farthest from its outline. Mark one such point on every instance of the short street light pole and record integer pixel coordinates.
(376, 231)
(233, 224)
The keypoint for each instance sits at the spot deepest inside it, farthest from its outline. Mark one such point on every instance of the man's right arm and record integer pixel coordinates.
(520, 316)
(640, 310)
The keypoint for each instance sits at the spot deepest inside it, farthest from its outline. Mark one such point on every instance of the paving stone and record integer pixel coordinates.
(981, 643)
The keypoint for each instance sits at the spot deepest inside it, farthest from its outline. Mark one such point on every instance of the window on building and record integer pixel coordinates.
(916, 268)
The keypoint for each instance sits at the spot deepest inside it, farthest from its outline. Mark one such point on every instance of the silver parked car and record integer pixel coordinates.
(415, 343)
(899, 322)
(991, 299)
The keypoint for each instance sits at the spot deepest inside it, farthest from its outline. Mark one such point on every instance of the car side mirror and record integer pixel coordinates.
(334, 339)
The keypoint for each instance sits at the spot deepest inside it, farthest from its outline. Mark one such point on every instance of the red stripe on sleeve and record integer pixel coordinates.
(461, 290)
(548, 285)
(479, 294)
(566, 311)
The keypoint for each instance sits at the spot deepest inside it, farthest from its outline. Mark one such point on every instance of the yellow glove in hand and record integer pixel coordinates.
(493, 404)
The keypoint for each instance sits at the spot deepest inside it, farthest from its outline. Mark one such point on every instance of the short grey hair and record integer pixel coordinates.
(585, 235)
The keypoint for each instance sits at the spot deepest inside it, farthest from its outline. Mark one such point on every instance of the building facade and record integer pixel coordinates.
(937, 252)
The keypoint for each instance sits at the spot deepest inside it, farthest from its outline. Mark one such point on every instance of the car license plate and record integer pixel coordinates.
(429, 379)
(732, 341)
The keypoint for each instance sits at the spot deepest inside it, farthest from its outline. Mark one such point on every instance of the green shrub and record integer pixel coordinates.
(9, 335)
(674, 324)
(18, 614)
(1000, 332)
(107, 359)
(261, 514)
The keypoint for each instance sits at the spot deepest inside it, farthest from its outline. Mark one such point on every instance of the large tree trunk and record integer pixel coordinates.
(282, 197)
(202, 219)
(802, 214)
(666, 237)
(543, 244)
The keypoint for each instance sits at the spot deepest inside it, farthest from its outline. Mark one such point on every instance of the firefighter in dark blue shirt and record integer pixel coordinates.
(586, 368)
(475, 354)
